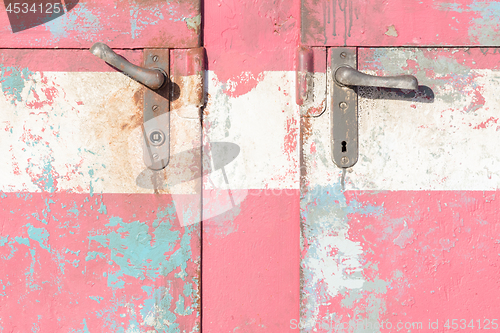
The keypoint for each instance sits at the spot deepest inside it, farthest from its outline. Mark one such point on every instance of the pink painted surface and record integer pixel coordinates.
(439, 252)
(67, 60)
(427, 257)
(88, 262)
(120, 24)
(397, 23)
(250, 264)
(250, 37)
(383, 252)
(250, 260)
(95, 263)
(471, 58)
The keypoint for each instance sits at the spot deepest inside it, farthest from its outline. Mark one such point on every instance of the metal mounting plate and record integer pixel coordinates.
(344, 110)
(156, 129)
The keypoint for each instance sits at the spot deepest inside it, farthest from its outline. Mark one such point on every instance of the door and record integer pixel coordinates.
(406, 239)
(92, 240)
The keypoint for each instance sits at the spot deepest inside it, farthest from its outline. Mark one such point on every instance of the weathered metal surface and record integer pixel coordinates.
(188, 76)
(348, 76)
(407, 241)
(151, 78)
(311, 81)
(91, 239)
(156, 128)
(396, 22)
(251, 218)
(344, 106)
(120, 24)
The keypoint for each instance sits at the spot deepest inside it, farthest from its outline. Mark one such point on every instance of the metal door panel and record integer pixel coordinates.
(250, 204)
(120, 24)
(394, 22)
(88, 241)
(409, 235)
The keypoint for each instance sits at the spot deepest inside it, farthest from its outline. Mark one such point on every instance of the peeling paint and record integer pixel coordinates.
(130, 23)
(391, 31)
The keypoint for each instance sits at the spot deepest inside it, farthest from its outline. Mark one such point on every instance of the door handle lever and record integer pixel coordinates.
(156, 115)
(344, 102)
(327, 79)
(152, 78)
(348, 76)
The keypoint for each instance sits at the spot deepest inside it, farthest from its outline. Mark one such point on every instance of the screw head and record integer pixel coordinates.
(156, 156)
(155, 58)
(156, 108)
(344, 160)
(343, 105)
(156, 137)
(343, 55)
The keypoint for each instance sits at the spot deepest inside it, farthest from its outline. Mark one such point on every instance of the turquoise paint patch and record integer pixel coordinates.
(79, 20)
(188, 290)
(47, 204)
(114, 279)
(3, 240)
(142, 254)
(485, 29)
(324, 214)
(12, 249)
(155, 311)
(93, 254)
(114, 221)
(13, 81)
(102, 209)
(142, 16)
(449, 7)
(25, 196)
(77, 253)
(98, 299)
(62, 261)
(179, 307)
(483, 26)
(85, 328)
(30, 281)
(91, 186)
(46, 181)
(40, 235)
(74, 210)
(22, 240)
(362, 209)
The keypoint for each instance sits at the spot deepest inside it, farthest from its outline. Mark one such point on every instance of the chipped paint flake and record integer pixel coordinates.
(391, 31)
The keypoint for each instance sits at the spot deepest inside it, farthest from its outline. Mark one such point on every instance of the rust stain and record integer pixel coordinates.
(115, 122)
(187, 91)
(318, 110)
(305, 134)
(139, 98)
(206, 109)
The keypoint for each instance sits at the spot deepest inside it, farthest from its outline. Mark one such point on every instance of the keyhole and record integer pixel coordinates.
(156, 137)
(344, 147)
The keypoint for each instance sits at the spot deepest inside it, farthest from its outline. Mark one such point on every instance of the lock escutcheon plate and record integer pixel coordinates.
(344, 111)
(157, 113)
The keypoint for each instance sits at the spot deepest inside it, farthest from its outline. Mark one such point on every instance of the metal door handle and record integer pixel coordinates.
(152, 78)
(348, 76)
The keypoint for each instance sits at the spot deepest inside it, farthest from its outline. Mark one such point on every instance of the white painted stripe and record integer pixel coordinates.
(406, 145)
(78, 137)
(262, 122)
(85, 136)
